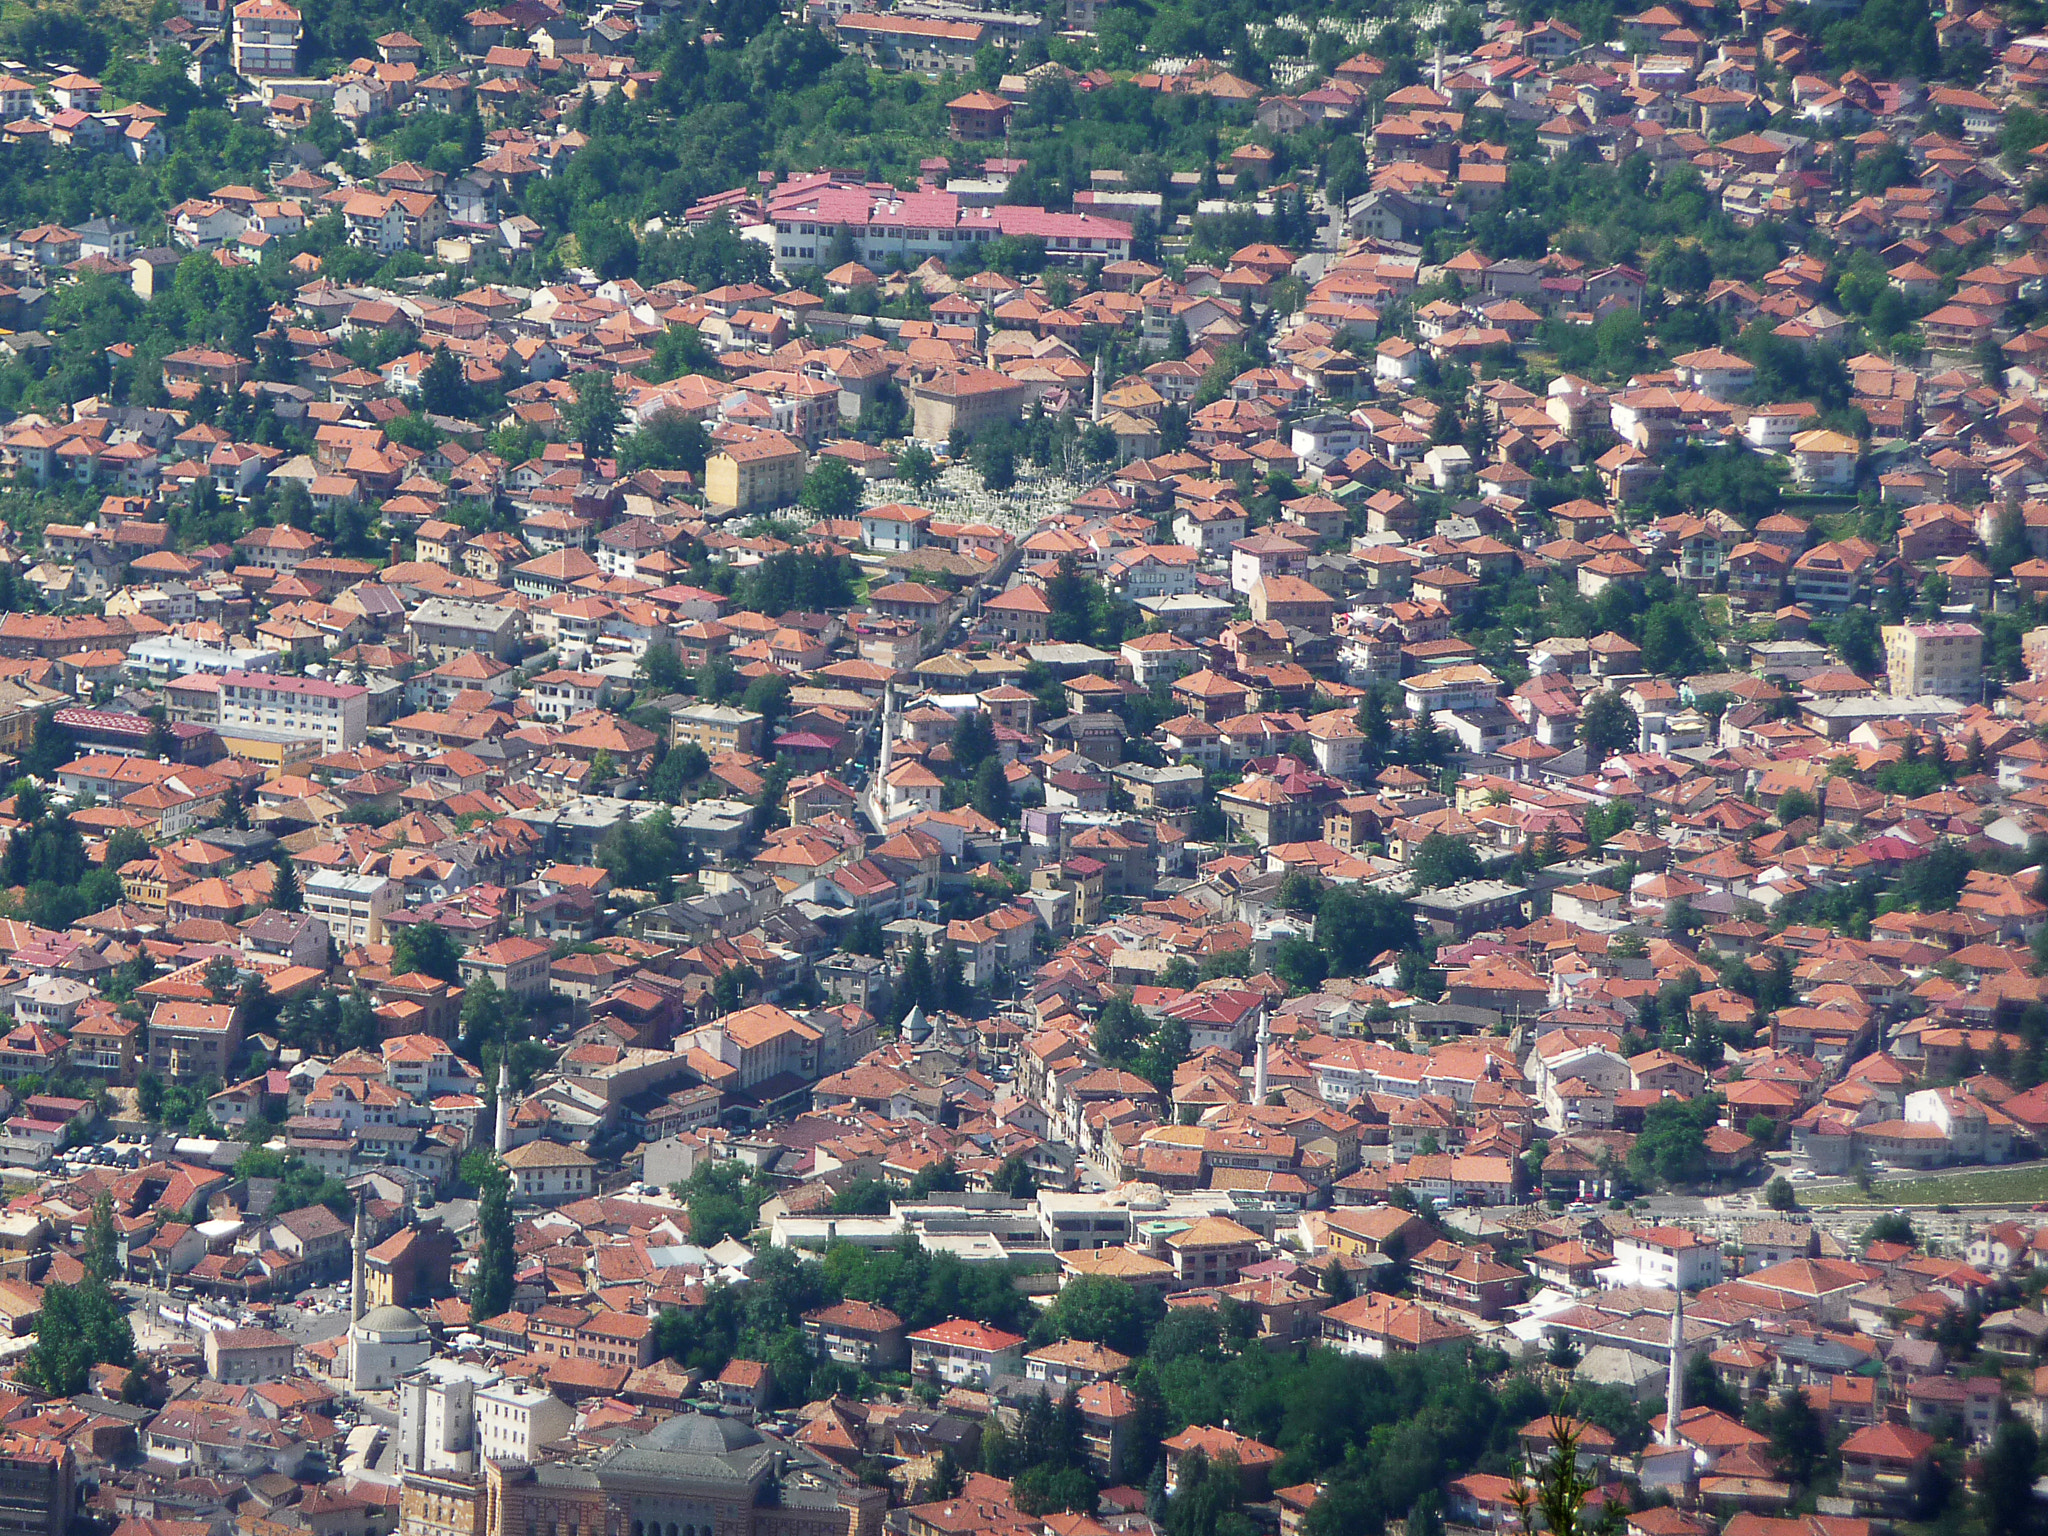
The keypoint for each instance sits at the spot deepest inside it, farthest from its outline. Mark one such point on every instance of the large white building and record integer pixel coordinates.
(1667, 1258)
(266, 40)
(335, 714)
(450, 1414)
(437, 1415)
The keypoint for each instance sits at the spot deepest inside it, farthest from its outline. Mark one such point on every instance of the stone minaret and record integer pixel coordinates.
(1259, 1064)
(502, 1142)
(1674, 1386)
(359, 1252)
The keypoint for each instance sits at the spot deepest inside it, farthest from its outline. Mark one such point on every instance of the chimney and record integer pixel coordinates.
(394, 551)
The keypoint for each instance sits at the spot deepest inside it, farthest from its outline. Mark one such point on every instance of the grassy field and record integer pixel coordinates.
(2014, 1186)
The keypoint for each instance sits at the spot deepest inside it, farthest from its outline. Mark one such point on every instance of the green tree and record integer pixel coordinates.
(724, 1199)
(443, 389)
(1892, 1227)
(1118, 1029)
(973, 742)
(1796, 805)
(1671, 1148)
(429, 950)
(594, 418)
(1858, 642)
(284, 889)
(1779, 1194)
(768, 697)
(1300, 964)
(943, 1176)
(1442, 859)
(1799, 1440)
(1356, 925)
(831, 489)
(678, 350)
(916, 467)
(1558, 1502)
(80, 1326)
(2005, 1482)
(1013, 1177)
(914, 986)
(102, 1253)
(491, 1284)
(865, 1197)
(483, 1019)
(1099, 1309)
(1607, 725)
(990, 794)
(996, 462)
(666, 440)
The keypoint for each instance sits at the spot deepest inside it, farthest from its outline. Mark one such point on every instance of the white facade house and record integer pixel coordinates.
(964, 1353)
(266, 39)
(337, 715)
(894, 528)
(352, 906)
(437, 1416)
(1666, 1258)
(514, 1420)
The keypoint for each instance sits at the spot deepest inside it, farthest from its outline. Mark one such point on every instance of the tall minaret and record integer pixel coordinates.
(878, 791)
(1095, 407)
(1674, 1386)
(359, 1253)
(502, 1142)
(1259, 1064)
(888, 730)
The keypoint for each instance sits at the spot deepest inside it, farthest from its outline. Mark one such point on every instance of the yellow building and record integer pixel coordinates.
(441, 1504)
(1944, 659)
(764, 471)
(716, 728)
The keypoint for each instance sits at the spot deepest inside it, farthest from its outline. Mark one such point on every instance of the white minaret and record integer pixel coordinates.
(888, 730)
(1095, 407)
(359, 1247)
(1259, 1063)
(1674, 1386)
(502, 1142)
(878, 791)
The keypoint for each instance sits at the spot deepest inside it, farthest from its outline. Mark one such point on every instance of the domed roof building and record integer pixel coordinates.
(384, 1344)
